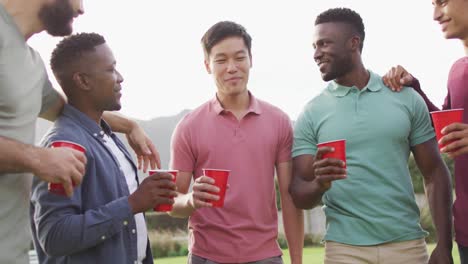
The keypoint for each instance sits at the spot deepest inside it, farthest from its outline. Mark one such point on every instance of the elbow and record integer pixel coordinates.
(52, 245)
(51, 249)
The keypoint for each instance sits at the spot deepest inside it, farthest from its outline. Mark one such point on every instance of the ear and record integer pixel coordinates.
(355, 43)
(207, 65)
(81, 81)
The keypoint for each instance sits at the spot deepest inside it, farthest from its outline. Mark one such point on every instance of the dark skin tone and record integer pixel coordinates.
(313, 176)
(96, 88)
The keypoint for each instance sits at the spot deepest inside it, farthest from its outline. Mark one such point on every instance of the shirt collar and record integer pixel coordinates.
(254, 105)
(374, 85)
(87, 123)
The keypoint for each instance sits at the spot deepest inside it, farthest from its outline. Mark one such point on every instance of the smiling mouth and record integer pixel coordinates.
(444, 24)
(233, 79)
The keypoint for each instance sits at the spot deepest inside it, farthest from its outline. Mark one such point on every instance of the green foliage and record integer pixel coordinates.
(168, 243)
(162, 221)
(417, 177)
(312, 240)
(282, 242)
(278, 200)
(428, 225)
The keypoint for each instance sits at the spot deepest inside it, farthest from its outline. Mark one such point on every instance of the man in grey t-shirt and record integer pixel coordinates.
(25, 94)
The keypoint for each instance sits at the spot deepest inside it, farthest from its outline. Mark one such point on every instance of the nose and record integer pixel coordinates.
(232, 66)
(317, 54)
(80, 7)
(437, 14)
(120, 78)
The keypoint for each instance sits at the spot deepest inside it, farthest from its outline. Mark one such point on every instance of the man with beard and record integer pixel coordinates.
(453, 18)
(103, 221)
(25, 94)
(372, 216)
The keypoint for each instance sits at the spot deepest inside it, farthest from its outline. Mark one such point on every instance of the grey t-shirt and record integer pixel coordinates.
(25, 91)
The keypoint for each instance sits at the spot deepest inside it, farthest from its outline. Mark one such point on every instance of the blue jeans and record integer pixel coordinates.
(463, 251)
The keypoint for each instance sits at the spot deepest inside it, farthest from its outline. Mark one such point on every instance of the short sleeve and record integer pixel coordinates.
(305, 139)
(182, 154)
(285, 140)
(421, 126)
(49, 95)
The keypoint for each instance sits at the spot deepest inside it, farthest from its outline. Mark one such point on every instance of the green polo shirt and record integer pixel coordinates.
(376, 203)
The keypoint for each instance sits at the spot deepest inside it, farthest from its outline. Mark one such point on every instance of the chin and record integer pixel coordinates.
(60, 32)
(327, 77)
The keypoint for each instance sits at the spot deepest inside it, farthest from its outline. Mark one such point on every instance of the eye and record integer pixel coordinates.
(220, 61)
(441, 2)
(240, 58)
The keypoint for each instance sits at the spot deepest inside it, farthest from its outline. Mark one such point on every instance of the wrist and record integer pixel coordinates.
(131, 126)
(32, 160)
(190, 202)
(133, 204)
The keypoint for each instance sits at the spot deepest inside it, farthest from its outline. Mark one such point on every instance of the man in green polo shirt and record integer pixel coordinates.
(372, 216)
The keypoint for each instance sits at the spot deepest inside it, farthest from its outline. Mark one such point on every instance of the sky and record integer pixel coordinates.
(158, 51)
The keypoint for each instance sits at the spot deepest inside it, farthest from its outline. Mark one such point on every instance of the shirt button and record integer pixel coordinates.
(95, 134)
(125, 223)
(133, 231)
(103, 237)
(102, 132)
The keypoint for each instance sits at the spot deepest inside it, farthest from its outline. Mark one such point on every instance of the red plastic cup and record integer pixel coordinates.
(444, 118)
(57, 188)
(221, 178)
(164, 207)
(340, 149)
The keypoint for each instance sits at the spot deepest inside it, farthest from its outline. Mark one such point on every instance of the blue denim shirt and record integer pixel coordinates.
(96, 224)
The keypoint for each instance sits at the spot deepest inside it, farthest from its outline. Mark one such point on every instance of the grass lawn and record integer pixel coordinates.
(311, 255)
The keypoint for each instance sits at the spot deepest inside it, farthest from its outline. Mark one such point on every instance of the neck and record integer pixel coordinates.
(358, 77)
(25, 15)
(86, 109)
(236, 103)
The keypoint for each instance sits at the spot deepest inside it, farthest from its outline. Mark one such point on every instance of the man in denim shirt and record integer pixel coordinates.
(103, 221)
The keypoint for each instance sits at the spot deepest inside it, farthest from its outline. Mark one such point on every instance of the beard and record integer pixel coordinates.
(57, 17)
(340, 67)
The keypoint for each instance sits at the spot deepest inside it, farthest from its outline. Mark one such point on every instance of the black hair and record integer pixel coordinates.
(69, 50)
(344, 15)
(222, 30)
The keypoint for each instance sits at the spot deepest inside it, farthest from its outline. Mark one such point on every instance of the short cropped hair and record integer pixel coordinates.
(222, 30)
(344, 15)
(68, 52)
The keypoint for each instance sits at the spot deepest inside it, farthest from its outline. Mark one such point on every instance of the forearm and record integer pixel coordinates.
(119, 123)
(17, 157)
(439, 195)
(183, 206)
(293, 219)
(67, 234)
(305, 194)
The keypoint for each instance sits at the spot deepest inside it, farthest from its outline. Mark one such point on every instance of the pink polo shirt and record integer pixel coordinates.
(246, 228)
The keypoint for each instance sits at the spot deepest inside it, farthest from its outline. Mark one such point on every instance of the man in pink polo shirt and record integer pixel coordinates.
(237, 132)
